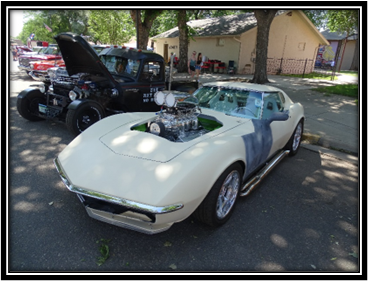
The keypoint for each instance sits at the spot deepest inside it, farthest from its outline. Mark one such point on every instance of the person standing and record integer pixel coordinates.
(198, 64)
(15, 53)
(192, 64)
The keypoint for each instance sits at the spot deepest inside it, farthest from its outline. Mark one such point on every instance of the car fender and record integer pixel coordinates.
(200, 169)
(26, 92)
(74, 104)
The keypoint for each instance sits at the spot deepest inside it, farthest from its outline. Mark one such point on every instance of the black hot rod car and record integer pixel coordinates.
(93, 86)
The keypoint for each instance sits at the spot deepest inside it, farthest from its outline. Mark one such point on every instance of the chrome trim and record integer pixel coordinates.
(32, 74)
(255, 180)
(114, 199)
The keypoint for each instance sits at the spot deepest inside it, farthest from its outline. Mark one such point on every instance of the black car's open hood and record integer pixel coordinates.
(80, 57)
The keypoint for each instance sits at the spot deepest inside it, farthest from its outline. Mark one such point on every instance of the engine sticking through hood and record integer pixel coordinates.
(178, 119)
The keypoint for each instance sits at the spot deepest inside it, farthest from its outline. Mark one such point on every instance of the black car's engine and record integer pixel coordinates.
(78, 86)
(178, 119)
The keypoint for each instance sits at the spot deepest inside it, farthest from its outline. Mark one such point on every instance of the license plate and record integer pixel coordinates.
(42, 108)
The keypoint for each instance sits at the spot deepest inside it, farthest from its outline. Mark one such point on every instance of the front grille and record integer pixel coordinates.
(111, 207)
(24, 61)
(63, 89)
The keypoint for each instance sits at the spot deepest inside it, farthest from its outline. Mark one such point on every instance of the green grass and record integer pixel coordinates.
(312, 75)
(350, 73)
(348, 90)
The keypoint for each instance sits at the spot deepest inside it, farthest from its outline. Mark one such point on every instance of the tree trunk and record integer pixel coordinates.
(144, 27)
(183, 41)
(355, 62)
(264, 20)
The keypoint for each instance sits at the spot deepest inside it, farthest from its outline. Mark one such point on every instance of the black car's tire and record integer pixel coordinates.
(225, 190)
(296, 138)
(27, 105)
(83, 116)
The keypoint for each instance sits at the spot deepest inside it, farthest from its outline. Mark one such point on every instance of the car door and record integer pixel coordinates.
(151, 80)
(275, 102)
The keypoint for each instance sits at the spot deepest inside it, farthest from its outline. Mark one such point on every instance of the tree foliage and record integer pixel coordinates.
(335, 20)
(111, 26)
(75, 21)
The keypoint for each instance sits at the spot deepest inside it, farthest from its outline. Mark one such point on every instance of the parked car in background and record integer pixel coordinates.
(50, 53)
(94, 86)
(146, 171)
(39, 68)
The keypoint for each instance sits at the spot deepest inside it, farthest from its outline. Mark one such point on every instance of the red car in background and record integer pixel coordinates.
(39, 68)
(50, 53)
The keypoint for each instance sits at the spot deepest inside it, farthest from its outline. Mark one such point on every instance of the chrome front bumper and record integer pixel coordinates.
(39, 76)
(26, 68)
(135, 216)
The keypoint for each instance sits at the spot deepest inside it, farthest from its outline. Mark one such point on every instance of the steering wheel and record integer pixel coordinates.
(236, 110)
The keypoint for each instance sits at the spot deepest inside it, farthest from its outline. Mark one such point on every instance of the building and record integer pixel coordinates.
(293, 41)
(343, 46)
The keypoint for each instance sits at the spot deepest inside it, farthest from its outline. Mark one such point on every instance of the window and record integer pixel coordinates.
(152, 71)
(272, 102)
(301, 46)
(120, 65)
(220, 41)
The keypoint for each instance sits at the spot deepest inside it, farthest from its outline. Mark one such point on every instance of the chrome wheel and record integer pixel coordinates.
(228, 194)
(297, 136)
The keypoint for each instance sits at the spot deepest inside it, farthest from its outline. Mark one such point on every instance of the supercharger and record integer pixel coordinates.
(178, 119)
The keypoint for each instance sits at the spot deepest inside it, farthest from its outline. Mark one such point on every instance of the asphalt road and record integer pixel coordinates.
(303, 217)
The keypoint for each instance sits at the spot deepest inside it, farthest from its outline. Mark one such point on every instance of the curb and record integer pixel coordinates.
(354, 160)
(315, 143)
(311, 138)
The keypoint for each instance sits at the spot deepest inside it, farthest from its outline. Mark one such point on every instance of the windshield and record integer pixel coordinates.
(120, 65)
(231, 101)
(51, 51)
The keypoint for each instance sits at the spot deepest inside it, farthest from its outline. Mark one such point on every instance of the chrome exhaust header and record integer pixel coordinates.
(256, 179)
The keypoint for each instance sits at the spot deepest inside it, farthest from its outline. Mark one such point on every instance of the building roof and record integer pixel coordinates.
(337, 35)
(232, 25)
(226, 25)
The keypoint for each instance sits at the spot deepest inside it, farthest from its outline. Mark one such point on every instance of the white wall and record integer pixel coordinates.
(208, 46)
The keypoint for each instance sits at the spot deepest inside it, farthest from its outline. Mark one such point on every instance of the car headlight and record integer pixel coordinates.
(42, 88)
(73, 95)
(51, 72)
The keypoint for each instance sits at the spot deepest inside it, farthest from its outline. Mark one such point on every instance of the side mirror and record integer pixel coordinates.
(279, 116)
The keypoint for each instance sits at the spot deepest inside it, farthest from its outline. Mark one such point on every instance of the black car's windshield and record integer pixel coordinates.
(120, 65)
(232, 101)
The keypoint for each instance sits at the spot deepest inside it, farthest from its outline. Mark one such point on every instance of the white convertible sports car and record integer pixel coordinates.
(146, 171)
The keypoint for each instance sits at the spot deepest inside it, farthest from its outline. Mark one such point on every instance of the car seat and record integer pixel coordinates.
(269, 107)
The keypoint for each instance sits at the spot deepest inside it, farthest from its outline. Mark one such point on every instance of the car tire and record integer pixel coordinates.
(83, 116)
(226, 191)
(295, 139)
(27, 106)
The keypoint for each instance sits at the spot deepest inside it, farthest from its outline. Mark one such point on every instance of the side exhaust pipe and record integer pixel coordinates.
(256, 179)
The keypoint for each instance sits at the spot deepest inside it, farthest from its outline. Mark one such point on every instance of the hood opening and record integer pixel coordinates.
(80, 57)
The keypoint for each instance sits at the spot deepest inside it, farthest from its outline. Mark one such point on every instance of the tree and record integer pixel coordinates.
(144, 19)
(183, 41)
(111, 26)
(58, 20)
(264, 20)
(343, 21)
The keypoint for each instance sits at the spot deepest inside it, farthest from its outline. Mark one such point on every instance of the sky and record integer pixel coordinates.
(15, 22)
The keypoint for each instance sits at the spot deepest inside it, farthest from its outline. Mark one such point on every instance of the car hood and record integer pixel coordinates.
(110, 158)
(80, 57)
